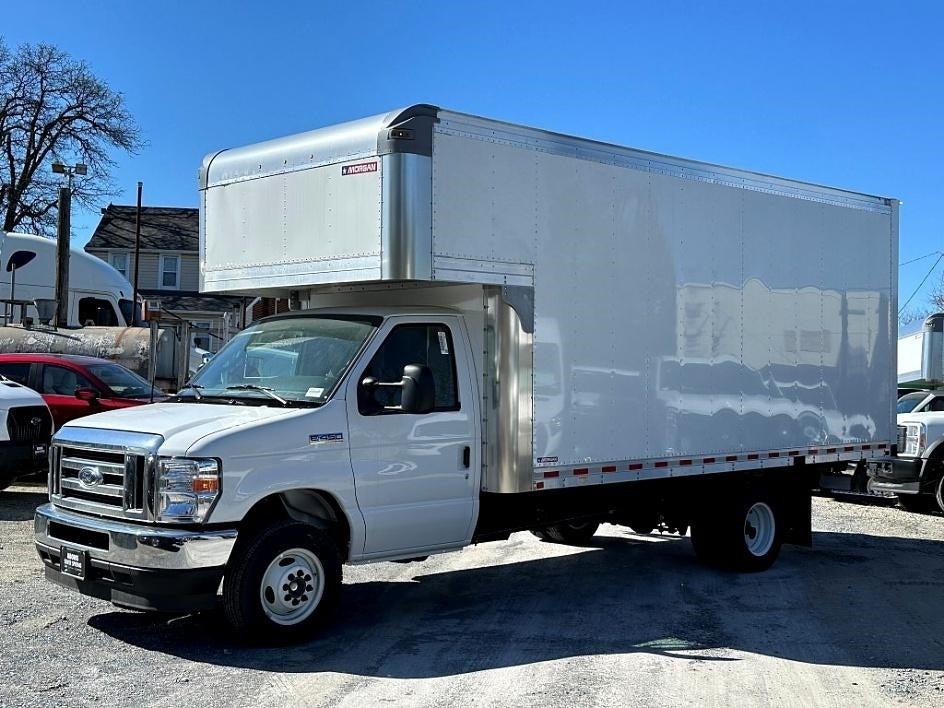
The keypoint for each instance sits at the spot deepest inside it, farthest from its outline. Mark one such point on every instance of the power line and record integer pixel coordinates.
(920, 258)
(923, 281)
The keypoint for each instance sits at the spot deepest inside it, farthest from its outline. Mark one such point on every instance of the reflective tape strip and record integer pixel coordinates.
(655, 468)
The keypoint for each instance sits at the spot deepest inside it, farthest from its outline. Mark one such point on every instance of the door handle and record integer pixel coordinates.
(466, 456)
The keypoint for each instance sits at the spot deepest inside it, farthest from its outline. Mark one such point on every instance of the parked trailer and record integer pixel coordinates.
(499, 329)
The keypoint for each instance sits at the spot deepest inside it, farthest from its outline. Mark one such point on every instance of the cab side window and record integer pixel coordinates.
(935, 405)
(424, 344)
(96, 312)
(16, 372)
(60, 381)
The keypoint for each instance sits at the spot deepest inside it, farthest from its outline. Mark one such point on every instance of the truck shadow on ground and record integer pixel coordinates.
(852, 600)
(20, 504)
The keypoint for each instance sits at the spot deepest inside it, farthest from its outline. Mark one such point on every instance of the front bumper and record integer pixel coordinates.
(900, 475)
(132, 565)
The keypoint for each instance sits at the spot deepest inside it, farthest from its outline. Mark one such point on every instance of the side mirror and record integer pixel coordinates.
(419, 389)
(86, 394)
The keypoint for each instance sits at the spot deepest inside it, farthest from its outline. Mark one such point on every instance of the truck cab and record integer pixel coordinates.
(98, 294)
(916, 473)
(361, 424)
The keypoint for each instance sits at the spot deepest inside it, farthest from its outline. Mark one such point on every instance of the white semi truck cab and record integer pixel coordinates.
(494, 329)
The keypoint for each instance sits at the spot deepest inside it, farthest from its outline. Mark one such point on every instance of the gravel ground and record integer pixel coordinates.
(856, 620)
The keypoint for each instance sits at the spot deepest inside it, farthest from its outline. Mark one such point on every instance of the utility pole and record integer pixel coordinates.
(63, 244)
(63, 227)
(137, 257)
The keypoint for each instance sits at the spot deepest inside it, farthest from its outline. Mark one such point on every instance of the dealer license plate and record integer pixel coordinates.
(73, 562)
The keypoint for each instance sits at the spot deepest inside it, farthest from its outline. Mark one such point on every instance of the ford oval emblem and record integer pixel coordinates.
(90, 476)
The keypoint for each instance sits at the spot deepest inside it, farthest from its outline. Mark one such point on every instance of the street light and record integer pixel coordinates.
(63, 234)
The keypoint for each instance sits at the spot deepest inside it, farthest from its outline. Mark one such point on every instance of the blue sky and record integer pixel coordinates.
(840, 93)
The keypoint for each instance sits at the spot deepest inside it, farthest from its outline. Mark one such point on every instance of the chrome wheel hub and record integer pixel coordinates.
(292, 586)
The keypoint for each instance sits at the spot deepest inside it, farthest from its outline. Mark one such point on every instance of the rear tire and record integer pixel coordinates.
(281, 582)
(742, 534)
(573, 533)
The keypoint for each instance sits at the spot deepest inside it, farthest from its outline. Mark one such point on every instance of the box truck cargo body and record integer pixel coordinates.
(498, 328)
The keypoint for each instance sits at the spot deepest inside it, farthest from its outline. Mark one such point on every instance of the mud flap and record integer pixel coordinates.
(799, 515)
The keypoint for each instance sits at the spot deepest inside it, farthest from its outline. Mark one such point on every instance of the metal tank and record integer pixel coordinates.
(152, 352)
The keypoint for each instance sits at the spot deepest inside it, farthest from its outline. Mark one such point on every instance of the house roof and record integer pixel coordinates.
(162, 228)
(182, 301)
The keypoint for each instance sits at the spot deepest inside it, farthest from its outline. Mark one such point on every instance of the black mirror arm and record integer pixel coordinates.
(370, 384)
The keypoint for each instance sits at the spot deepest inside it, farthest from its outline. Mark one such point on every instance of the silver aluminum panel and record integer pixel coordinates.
(680, 309)
(293, 229)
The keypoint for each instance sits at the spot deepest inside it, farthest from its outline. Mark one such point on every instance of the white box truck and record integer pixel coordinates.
(494, 328)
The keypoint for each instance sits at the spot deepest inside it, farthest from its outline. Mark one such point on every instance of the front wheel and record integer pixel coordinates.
(744, 534)
(282, 582)
(574, 533)
(939, 494)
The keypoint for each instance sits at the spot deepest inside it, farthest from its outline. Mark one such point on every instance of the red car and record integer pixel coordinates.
(76, 386)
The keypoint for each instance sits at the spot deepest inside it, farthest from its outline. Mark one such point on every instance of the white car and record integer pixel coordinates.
(25, 429)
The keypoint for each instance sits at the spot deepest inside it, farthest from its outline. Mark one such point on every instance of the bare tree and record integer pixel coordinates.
(52, 107)
(936, 297)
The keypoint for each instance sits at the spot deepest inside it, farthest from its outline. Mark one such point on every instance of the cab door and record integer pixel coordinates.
(414, 472)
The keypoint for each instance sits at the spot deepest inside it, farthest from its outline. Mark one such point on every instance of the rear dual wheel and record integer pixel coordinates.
(574, 533)
(743, 533)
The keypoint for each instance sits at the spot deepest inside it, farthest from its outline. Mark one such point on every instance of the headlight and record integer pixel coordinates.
(186, 488)
(915, 439)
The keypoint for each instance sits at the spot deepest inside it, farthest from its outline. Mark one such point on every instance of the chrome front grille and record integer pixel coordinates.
(103, 472)
(902, 437)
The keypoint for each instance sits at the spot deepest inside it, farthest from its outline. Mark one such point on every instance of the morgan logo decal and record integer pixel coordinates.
(547, 460)
(359, 169)
(321, 438)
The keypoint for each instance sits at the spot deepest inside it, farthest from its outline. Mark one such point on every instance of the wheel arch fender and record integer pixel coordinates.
(315, 507)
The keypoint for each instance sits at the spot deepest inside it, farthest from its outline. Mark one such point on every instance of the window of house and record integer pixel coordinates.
(170, 272)
(119, 261)
(97, 312)
(424, 344)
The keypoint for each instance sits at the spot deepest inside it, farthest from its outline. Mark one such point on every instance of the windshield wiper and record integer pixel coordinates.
(255, 387)
(193, 387)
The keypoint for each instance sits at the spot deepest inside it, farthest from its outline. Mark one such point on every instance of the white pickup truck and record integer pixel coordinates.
(494, 329)
(916, 472)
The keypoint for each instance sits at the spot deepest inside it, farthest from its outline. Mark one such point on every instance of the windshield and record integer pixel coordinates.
(909, 401)
(123, 383)
(300, 359)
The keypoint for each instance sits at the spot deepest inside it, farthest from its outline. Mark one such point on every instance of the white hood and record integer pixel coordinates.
(181, 424)
(13, 395)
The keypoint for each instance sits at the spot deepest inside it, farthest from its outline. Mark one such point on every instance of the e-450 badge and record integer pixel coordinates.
(322, 438)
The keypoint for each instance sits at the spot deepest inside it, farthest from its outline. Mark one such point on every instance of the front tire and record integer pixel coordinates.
(939, 494)
(282, 582)
(572, 533)
(743, 534)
